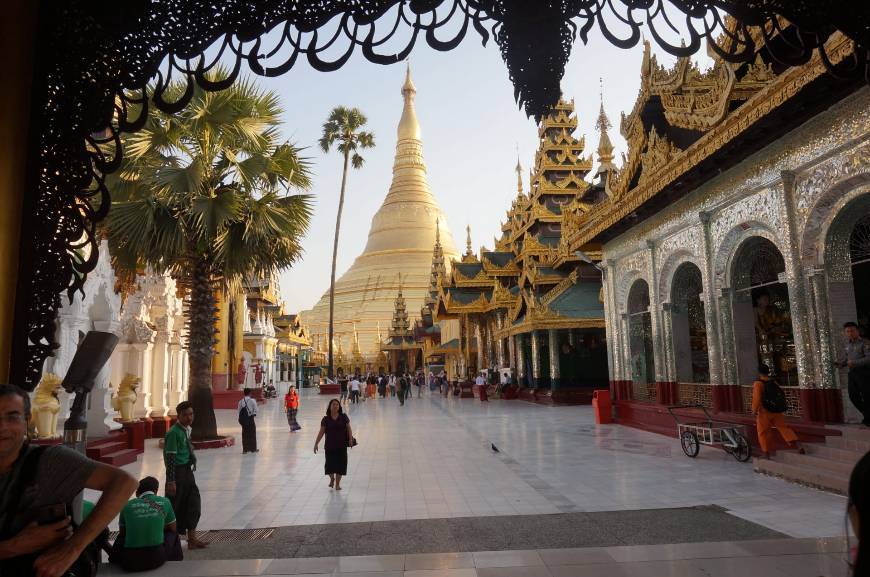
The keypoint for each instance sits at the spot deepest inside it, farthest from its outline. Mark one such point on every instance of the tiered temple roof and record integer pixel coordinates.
(530, 265)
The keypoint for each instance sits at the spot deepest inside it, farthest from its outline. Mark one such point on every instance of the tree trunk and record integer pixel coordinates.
(331, 371)
(201, 341)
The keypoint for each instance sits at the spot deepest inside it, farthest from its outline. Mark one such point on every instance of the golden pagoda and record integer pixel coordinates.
(399, 245)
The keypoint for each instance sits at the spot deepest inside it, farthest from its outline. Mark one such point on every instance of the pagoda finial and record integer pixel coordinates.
(605, 147)
(409, 127)
(437, 232)
(519, 170)
(468, 251)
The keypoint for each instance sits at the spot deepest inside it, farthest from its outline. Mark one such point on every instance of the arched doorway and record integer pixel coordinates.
(640, 334)
(762, 313)
(688, 326)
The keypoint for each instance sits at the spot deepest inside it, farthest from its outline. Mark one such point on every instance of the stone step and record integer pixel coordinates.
(848, 443)
(816, 462)
(118, 458)
(802, 474)
(828, 452)
(854, 432)
(101, 449)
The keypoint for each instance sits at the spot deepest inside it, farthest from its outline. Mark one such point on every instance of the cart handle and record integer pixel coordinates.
(671, 409)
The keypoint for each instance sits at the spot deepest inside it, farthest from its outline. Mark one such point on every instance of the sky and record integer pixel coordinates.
(472, 132)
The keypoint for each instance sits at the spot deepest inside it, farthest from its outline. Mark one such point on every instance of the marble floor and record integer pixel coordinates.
(777, 558)
(433, 458)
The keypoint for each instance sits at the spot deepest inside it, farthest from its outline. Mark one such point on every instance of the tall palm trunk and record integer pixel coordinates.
(201, 341)
(331, 372)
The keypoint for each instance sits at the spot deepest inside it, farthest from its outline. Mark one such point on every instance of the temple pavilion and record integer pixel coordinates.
(532, 304)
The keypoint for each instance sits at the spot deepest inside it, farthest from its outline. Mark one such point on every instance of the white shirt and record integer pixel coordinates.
(251, 404)
(479, 380)
(354, 385)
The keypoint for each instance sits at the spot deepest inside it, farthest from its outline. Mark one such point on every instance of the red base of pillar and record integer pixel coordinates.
(621, 390)
(257, 394)
(822, 405)
(135, 434)
(226, 399)
(727, 398)
(510, 392)
(159, 427)
(333, 389)
(466, 390)
(667, 393)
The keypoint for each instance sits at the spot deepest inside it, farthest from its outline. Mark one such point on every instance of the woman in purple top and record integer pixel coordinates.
(336, 426)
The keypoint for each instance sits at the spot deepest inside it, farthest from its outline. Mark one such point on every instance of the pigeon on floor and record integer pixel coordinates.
(494, 448)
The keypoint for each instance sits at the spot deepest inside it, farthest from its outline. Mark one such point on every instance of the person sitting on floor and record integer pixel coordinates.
(148, 536)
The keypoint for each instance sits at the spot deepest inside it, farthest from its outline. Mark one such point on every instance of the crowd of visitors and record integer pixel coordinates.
(45, 530)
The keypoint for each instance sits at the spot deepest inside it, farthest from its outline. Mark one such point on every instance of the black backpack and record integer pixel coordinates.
(773, 397)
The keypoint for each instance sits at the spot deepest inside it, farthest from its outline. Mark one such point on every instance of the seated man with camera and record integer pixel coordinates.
(38, 486)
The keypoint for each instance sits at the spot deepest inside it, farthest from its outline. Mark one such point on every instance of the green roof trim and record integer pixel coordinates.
(499, 259)
(579, 301)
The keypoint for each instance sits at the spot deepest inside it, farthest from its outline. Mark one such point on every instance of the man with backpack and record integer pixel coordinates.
(768, 406)
(247, 414)
(38, 489)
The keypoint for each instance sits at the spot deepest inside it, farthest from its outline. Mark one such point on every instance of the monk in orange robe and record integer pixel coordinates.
(766, 420)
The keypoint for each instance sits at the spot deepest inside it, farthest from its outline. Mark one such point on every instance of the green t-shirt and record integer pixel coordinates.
(176, 441)
(143, 523)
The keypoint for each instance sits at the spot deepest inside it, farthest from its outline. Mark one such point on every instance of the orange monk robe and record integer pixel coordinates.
(765, 420)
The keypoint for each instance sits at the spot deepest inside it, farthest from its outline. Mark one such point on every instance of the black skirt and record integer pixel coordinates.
(336, 461)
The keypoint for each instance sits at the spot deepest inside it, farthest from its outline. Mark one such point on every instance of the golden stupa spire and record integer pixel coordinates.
(409, 127)
(437, 233)
(605, 147)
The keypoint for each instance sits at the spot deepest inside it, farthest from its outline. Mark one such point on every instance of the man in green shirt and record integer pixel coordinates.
(180, 461)
(147, 537)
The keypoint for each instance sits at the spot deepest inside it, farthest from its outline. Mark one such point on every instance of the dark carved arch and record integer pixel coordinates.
(95, 58)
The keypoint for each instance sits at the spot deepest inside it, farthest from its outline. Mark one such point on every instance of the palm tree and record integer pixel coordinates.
(343, 127)
(204, 195)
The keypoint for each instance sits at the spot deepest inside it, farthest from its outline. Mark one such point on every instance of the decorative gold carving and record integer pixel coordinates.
(659, 152)
(765, 100)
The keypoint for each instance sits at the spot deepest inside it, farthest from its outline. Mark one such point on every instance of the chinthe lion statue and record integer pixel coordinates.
(46, 406)
(125, 399)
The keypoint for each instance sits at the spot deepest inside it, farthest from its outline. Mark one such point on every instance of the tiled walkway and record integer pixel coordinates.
(778, 558)
(432, 458)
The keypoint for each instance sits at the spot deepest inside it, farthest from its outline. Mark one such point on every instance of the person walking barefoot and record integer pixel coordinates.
(336, 427)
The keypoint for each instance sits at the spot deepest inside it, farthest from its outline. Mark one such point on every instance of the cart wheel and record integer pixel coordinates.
(689, 441)
(742, 452)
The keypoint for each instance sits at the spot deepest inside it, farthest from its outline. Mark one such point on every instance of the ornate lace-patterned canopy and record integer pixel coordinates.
(95, 59)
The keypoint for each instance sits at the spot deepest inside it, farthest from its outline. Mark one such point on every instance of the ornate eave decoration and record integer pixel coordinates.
(557, 290)
(605, 215)
(95, 61)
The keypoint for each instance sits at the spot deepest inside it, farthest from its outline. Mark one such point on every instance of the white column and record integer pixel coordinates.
(656, 315)
(711, 319)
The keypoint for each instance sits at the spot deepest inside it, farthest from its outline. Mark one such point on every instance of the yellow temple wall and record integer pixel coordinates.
(221, 360)
(17, 31)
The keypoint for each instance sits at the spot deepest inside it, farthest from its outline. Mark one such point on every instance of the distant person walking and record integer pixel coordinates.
(392, 385)
(382, 386)
(342, 384)
(180, 462)
(354, 390)
(856, 358)
(401, 388)
(247, 419)
(291, 406)
(336, 426)
(768, 405)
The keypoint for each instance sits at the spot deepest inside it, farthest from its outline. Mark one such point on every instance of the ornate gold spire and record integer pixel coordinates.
(400, 240)
(468, 251)
(605, 147)
(519, 170)
(409, 127)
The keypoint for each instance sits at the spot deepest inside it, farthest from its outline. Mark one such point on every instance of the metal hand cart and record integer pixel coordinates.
(692, 435)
